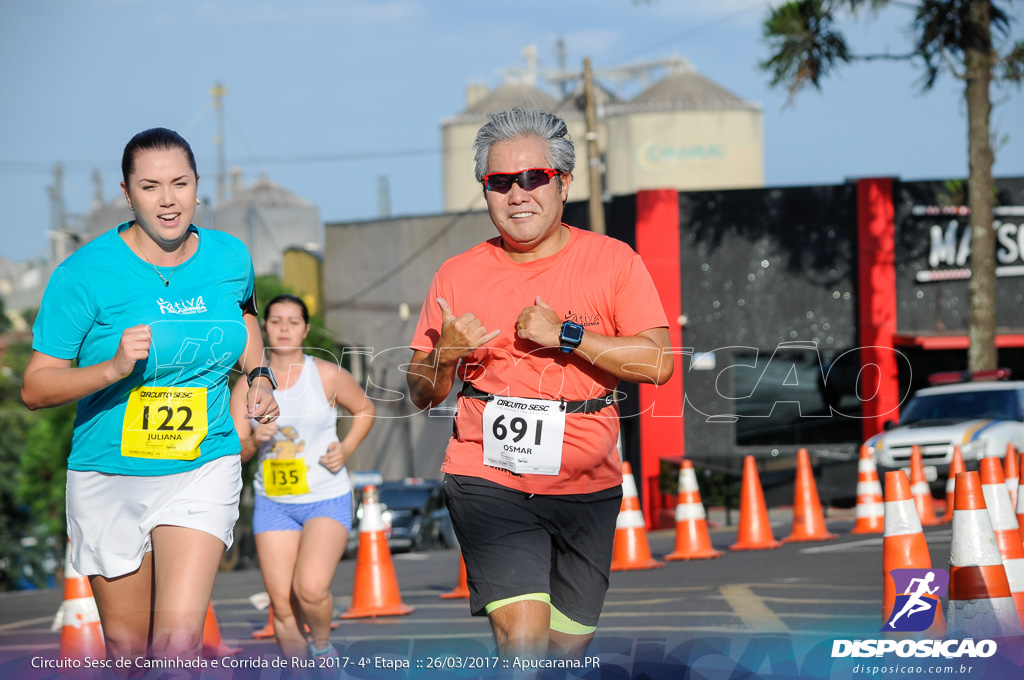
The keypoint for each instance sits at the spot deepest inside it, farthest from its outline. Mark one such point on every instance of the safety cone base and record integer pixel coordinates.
(265, 632)
(215, 652)
(706, 555)
(635, 565)
(375, 611)
(459, 593)
(809, 539)
(773, 545)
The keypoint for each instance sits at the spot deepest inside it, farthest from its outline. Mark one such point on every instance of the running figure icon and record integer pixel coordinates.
(915, 603)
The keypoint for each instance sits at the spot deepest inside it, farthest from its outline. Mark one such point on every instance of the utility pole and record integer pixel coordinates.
(58, 216)
(97, 190)
(218, 93)
(593, 153)
(383, 196)
(560, 51)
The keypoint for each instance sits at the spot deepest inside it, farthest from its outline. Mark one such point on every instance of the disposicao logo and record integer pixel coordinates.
(914, 610)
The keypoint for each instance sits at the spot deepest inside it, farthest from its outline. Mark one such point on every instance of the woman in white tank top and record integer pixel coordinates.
(303, 510)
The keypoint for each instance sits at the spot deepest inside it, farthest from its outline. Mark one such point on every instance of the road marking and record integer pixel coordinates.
(26, 622)
(21, 648)
(842, 547)
(621, 615)
(752, 610)
(663, 600)
(666, 589)
(805, 586)
(811, 600)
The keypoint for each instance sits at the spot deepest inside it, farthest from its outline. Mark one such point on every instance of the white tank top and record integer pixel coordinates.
(307, 425)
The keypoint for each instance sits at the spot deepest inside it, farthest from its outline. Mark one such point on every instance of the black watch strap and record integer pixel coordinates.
(263, 372)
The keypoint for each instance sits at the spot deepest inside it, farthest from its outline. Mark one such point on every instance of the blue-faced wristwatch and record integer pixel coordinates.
(263, 372)
(570, 336)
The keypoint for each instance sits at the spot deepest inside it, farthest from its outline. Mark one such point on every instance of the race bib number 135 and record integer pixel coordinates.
(285, 477)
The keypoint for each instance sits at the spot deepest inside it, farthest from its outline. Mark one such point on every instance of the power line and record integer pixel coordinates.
(46, 167)
(695, 30)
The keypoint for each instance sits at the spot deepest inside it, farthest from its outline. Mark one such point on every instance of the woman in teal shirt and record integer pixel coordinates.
(142, 327)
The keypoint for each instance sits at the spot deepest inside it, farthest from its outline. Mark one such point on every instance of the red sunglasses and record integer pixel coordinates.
(528, 180)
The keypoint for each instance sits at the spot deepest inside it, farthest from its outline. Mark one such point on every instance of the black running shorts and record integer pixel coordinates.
(516, 543)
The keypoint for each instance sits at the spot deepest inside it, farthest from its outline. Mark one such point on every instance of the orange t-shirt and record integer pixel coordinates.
(595, 281)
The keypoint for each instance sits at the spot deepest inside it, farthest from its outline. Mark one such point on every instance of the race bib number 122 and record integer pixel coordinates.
(166, 423)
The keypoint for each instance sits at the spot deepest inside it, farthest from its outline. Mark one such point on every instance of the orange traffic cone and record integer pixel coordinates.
(631, 549)
(462, 587)
(808, 516)
(1020, 498)
(754, 533)
(920, 489)
(870, 512)
(266, 631)
(904, 547)
(81, 634)
(693, 542)
(955, 466)
(213, 644)
(980, 603)
(1007, 531)
(1012, 473)
(375, 587)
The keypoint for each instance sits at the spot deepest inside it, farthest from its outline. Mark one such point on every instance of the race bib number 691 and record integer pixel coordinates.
(524, 435)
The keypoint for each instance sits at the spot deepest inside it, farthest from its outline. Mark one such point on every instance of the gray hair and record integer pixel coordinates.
(519, 122)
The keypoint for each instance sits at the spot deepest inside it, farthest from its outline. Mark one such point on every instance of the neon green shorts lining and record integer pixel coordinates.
(559, 621)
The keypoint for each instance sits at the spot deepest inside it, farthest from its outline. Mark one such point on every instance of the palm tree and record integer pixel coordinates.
(961, 37)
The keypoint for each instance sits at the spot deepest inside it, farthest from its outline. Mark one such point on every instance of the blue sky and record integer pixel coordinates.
(325, 96)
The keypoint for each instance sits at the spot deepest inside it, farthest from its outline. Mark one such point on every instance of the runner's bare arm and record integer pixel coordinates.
(250, 438)
(640, 358)
(342, 389)
(50, 381)
(432, 374)
(260, 400)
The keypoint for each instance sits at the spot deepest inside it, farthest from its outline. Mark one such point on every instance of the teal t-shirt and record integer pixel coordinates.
(151, 421)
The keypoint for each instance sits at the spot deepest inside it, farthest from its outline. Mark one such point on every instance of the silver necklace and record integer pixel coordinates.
(167, 281)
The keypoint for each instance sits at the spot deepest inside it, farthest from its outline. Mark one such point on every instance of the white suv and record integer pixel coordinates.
(982, 417)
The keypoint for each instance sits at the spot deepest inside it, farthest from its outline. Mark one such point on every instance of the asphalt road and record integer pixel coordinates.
(799, 597)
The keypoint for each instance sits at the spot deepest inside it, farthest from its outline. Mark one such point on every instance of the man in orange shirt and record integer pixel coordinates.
(540, 323)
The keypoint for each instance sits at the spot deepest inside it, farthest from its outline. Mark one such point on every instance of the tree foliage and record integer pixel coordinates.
(15, 520)
(42, 472)
(969, 39)
(5, 323)
(805, 45)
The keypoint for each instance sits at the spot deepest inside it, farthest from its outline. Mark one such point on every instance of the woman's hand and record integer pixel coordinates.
(336, 456)
(134, 346)
(260, 403)
(264, 433)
